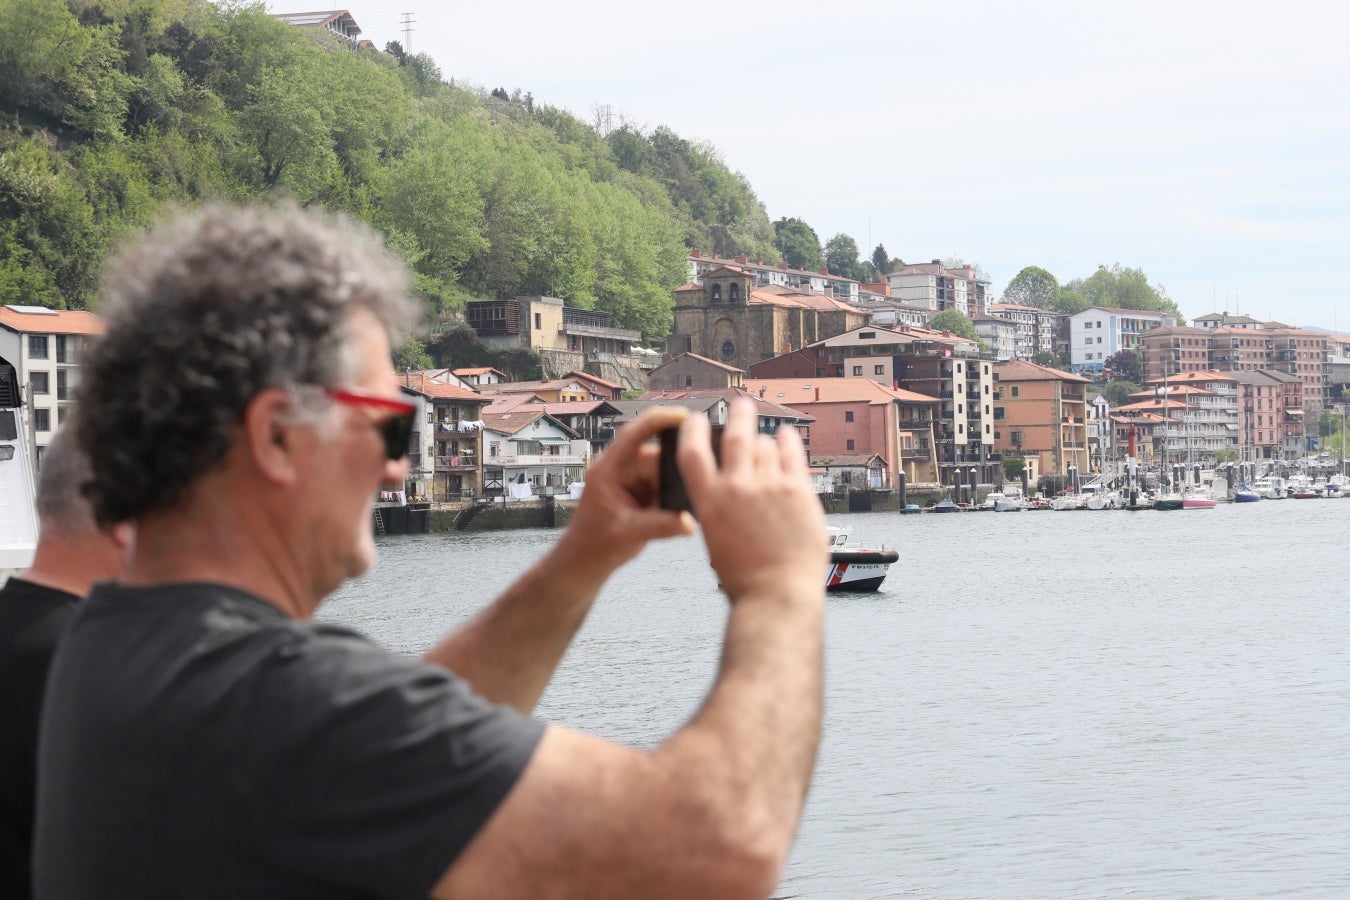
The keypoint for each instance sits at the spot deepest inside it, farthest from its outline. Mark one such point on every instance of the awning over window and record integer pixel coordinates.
(551, 441)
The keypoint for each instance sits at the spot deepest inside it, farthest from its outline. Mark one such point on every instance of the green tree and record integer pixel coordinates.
(1013, 467)
(881, 261)
(412, 356)
(955, 321)
(841, 257)
(1053, 360)
(799, 244)
(1118, 393)
(1124, 288)
(1033, 286)
(1070, 300)
(1124, 365)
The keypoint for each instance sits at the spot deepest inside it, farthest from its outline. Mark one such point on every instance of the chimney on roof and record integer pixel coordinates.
(782, 264)
(761, 391)
(742, 259)
(697, 253)
(824, 271)
(817, 393)
(937, 262)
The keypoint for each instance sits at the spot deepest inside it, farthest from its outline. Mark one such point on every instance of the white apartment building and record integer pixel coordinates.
(1000, 334)
(40, 354)
(1098, 333)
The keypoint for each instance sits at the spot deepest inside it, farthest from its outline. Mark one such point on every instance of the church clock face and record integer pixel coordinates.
(728, 349)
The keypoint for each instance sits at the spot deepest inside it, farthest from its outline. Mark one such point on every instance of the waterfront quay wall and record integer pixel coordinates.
(551, 512)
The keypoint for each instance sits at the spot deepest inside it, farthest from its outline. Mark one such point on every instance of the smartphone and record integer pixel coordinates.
(670, 483)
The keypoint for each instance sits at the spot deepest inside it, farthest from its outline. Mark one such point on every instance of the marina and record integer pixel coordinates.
(1024, 709)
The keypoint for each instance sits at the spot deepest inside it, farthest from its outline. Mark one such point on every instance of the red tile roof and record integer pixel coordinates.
(421, 384)
(513, 421)
(39, 320)
(831, 390)
(1022, 370)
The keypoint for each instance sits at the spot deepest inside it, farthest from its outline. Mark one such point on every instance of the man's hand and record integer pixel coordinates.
(764, 525)
(617, 513)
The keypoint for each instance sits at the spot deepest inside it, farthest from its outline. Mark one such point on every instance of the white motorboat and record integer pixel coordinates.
(855, 568)
(18, 515)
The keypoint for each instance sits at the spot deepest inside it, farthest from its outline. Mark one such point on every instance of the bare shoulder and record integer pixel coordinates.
(589, 818)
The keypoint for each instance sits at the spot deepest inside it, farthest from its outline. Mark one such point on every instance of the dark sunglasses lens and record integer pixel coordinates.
(397, 430)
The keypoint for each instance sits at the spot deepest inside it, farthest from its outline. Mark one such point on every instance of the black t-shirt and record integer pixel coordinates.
(196, 742)
(31, 619)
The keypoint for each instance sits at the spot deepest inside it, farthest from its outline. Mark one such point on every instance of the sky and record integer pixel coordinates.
(1206, 144)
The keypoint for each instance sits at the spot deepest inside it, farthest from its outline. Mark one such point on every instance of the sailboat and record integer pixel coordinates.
(1171, 499)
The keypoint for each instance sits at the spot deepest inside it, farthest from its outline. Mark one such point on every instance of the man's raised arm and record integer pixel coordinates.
(510, 649)
(712, 812)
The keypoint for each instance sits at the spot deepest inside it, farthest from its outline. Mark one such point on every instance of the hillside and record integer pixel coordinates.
(113, 112)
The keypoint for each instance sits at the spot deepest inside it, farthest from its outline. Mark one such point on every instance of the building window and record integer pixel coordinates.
(717, 293)
(538, 322)
(848, 416)
(1014, 390)
(42, 419)
(879, 370)
(867, 335)
(689, 381)
(37, 346)
(60, 416)
(1015, 437)
(849, 444)
(728, 349)
(857, 370)
(40, 382)
(734, 292)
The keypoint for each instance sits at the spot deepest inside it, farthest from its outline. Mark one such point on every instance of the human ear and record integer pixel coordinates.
(267, 435)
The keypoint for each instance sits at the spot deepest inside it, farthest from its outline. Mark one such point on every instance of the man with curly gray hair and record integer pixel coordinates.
(204, 737)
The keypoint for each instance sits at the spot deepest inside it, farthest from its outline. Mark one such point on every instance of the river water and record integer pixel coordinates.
(1039, 704)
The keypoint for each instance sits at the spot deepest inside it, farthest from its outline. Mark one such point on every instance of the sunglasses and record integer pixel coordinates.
(395, 430)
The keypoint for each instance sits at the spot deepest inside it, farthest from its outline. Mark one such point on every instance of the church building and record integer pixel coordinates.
(730, 319)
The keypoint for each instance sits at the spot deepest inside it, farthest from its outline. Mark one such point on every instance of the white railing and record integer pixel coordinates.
(536, 460)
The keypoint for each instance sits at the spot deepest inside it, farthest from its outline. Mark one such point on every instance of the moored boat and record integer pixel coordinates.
(1246, 494)
(18, 523)
(944, 506)
(855, 568)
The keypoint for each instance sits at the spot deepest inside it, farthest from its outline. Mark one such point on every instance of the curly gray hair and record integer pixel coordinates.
(203, 313)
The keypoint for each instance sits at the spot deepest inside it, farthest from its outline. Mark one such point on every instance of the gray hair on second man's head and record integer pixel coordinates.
(61, 504)
(206, 311)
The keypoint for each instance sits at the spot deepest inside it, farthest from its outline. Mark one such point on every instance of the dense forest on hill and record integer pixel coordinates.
(112, 111)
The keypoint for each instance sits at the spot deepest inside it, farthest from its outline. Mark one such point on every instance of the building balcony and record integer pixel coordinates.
(525, 460)
(462, 461)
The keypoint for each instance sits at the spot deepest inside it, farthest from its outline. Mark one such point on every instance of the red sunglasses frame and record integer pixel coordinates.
(395, 430)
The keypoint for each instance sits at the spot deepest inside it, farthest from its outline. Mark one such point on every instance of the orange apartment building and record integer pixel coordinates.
(1275, 347)
(859, 416)
(1041, 412)
(939, 365)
